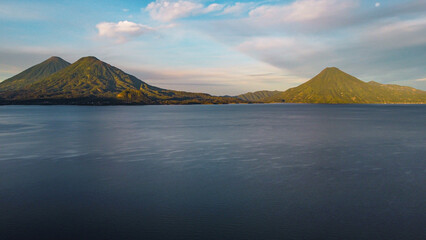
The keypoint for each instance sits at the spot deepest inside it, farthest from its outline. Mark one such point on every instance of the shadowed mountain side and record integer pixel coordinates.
(258, 96)
(91, 81)
(33, 74)
(334, 86)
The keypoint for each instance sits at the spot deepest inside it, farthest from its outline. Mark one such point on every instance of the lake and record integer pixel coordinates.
(272, 171)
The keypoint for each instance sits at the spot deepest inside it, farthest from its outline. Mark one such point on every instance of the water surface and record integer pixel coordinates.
(279, 171)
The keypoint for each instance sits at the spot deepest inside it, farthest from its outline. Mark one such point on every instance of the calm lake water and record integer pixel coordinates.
(213, 172)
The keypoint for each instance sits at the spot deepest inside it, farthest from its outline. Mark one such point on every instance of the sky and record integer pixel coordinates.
(222, 47)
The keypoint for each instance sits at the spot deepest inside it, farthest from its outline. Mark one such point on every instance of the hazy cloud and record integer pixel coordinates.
(166, 11)
(21, 11)
(238, 8)
(397, 34)
(290, 53)
(303, 11)
(219, 81)
(384, 51)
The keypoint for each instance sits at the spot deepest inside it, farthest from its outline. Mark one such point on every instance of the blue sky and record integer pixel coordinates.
(222, 47)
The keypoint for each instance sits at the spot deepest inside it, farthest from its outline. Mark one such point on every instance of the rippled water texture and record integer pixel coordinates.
(276, 171)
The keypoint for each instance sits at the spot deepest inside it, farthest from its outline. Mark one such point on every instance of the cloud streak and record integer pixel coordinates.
(238, 8)
(303, 11)
(167, 11)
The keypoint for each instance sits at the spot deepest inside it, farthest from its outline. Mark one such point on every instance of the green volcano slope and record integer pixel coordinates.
(33, 74)
(91, 81)
(335, 86)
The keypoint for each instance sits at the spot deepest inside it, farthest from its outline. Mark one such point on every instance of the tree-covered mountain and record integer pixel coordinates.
(86, 77)
(258, 96)
(34, 74)
(91, 81)
(335, 86)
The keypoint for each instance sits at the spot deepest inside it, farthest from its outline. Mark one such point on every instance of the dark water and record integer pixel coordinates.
(213, 172)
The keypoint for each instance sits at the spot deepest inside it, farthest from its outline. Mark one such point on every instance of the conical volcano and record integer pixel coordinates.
(33, 74)
(335, 86)
(86, 77)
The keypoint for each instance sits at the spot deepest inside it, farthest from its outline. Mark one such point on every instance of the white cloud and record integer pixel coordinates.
(238, 8)
(214, 7)
(377, 4)
(420, 80)
(121, 31)
(166, 11)
(169, 10)
(303, 10)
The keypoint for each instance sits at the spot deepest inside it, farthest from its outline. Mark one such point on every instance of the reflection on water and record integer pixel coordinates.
(213, 172)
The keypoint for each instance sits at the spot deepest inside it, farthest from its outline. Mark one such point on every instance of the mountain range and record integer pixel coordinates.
(93, 82)
(335, 86)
